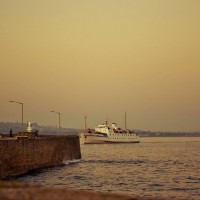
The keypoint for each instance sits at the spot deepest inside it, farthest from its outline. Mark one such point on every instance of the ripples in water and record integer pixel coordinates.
(156, 167)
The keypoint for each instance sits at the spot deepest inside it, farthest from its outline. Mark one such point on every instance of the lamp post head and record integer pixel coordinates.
(16, 102)
(55, 112)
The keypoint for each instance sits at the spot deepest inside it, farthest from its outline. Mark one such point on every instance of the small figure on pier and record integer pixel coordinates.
(36, 133)
(11, 135)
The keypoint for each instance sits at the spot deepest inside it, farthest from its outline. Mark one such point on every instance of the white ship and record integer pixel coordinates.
(104, 134)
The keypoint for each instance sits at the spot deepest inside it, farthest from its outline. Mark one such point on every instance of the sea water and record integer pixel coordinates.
(157, 167)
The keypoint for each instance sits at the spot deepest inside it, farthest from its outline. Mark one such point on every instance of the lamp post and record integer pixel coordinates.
(22, 112)
(125, 122)
(58, 118)
(85, 124)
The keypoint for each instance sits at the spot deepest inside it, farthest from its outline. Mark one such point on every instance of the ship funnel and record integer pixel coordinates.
(114, 125)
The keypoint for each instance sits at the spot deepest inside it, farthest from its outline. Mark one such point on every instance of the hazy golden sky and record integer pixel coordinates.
(101, 58)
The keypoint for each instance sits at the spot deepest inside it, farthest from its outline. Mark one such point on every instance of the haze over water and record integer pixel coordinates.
(156, 167)
(101, 58)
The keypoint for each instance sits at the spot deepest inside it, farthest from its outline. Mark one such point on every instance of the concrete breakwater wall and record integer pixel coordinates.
(19, 155)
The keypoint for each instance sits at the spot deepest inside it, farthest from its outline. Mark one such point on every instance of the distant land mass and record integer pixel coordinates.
(17, 127)
(167, 134)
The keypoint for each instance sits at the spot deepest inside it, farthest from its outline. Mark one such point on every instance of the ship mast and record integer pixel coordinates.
(85, 123)
(107, 120)
(125, 122)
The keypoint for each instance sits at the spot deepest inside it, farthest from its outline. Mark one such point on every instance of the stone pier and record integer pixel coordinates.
(20, 154)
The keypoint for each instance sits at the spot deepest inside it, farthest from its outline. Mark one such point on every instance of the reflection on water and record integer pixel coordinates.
(156, 167)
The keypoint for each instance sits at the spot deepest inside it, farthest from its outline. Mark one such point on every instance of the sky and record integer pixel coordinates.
(101, 58)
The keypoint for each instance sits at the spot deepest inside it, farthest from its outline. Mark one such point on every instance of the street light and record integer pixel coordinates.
(58, 118)
(22, 112)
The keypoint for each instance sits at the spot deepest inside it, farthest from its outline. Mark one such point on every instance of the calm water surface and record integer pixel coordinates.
(156, 167)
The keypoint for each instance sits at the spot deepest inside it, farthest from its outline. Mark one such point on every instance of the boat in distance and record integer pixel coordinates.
(104, 134)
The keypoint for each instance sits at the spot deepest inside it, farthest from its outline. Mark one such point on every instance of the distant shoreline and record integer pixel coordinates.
(16, 127)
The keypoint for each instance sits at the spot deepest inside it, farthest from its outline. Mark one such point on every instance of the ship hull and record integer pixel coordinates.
(87, 138)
